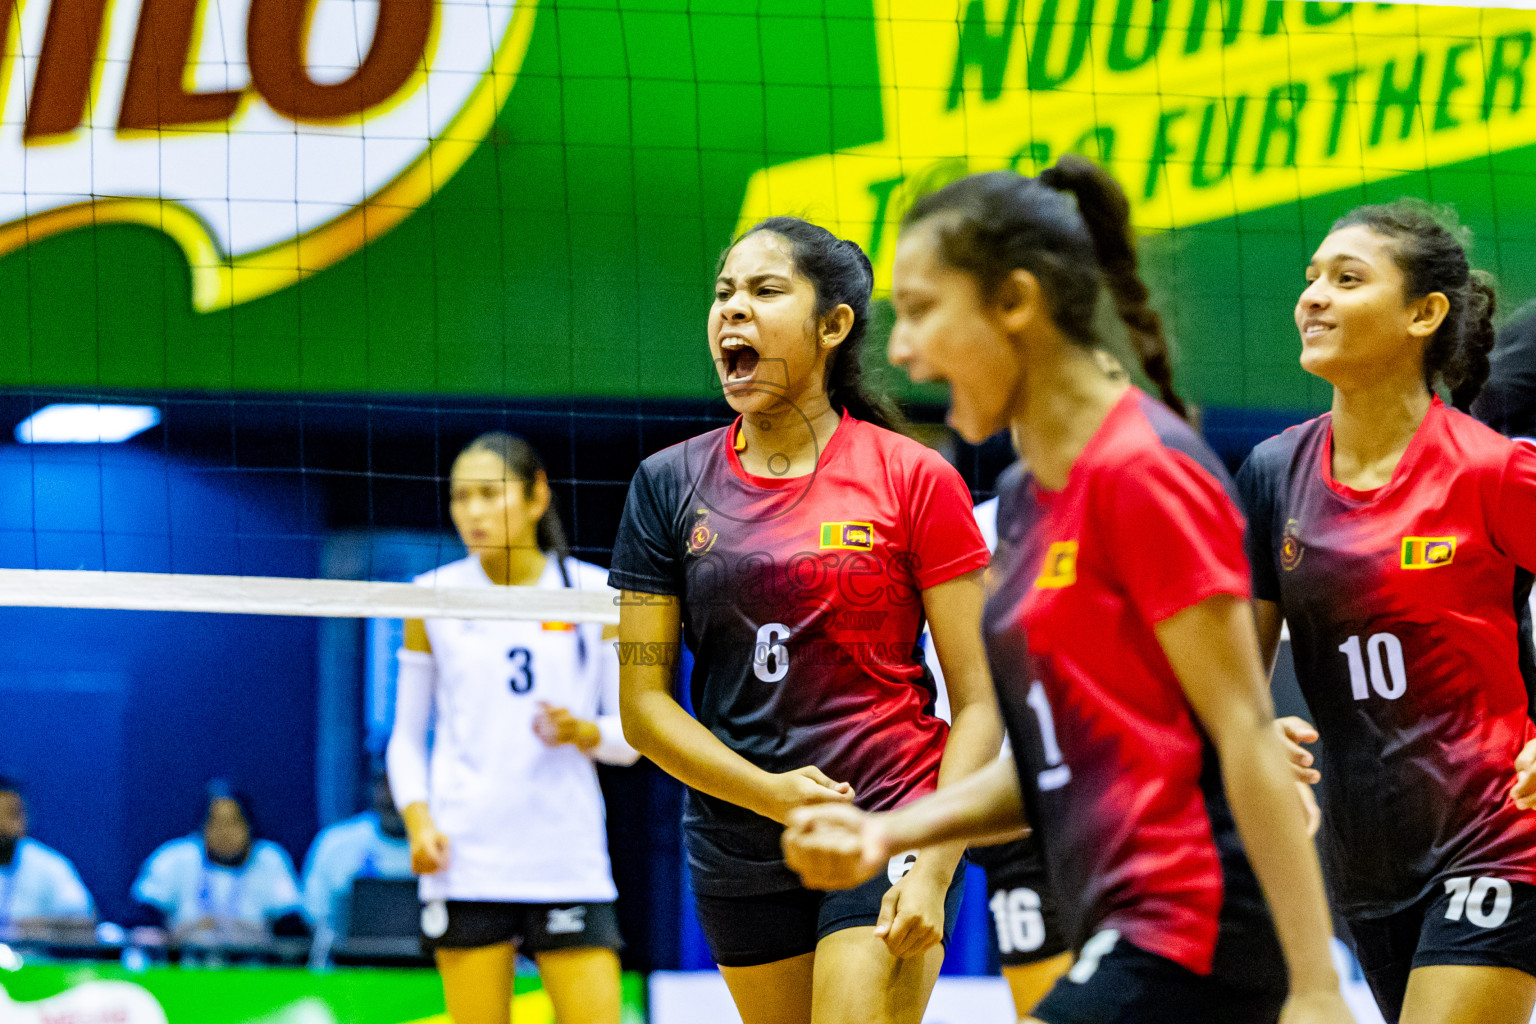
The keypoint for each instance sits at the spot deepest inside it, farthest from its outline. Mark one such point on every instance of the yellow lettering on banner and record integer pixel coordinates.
(1203, 109)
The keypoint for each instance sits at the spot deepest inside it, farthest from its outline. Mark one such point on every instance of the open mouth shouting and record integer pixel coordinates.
(740, 360)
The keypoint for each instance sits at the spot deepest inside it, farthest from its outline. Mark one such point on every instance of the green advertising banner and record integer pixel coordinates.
(67, 994)
(524, 198)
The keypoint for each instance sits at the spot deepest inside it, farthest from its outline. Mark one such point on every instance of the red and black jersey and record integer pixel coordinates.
(1118, 776)
(802, 604)
(1410, 629)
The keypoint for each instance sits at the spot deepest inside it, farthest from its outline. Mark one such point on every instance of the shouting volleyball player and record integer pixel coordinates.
(1118, 629)
(507, 826)
(800, 550)
(1397, 537)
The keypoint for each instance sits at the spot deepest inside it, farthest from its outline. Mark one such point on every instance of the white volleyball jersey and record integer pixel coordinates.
(525, 822)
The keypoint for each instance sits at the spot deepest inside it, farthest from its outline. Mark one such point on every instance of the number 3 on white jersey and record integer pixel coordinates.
(1056, 773)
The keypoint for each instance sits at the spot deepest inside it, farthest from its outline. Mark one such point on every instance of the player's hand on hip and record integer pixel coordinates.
(912, 915)
(833, 846)
(800, 788)
(429, 847)
(1293, 732)
(556, 726)
(1309, 808)
(1524, 793)
(1320, 1007)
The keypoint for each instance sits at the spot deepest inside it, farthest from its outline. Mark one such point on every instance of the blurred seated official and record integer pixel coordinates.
(369, 845)
(221, 886)
(40, 891)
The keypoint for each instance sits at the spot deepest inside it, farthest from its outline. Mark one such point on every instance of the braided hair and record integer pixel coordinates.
(1071, 229)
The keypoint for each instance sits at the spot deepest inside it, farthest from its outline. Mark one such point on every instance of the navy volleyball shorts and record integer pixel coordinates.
(1023, 910)
(1114, 980)
(533, 927)
(1465, 920)
(748, 931)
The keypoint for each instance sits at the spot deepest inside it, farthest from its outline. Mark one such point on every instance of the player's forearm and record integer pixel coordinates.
(980, 805)
(1262, 795)
(658, 727)
(974, 740)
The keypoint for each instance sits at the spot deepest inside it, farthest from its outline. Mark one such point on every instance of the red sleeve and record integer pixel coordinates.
(945, 540)
(1512, 521)
(1176, 538)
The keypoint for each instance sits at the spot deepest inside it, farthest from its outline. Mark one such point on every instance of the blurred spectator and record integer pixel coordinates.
(371, 845)
(220, 885)
(1507, 402)
(39, 887)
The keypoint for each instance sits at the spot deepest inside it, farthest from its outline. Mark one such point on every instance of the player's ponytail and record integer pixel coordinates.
(1107, 214)
(1430, 248)
(523, 462)
(842, 275)
(1069, 228)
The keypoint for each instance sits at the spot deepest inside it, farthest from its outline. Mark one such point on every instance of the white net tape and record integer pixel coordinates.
(273, 595)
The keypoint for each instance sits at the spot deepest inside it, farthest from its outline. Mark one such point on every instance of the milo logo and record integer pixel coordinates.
(269, 138)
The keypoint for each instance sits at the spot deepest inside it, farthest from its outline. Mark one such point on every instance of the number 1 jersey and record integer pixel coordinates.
(1411, 634)
(1119, 778)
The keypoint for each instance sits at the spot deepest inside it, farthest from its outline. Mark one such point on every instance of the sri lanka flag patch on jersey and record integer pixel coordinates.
(1060, 566)
(1428, 552)
(848, 536)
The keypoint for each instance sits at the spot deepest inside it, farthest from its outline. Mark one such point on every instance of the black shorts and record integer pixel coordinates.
(1114, 980)
(1024, 921)
(533, 927)
(748, 931)
(1471, 921)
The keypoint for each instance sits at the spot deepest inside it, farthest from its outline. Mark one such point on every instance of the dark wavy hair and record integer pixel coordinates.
(522, 460)
(841, 274)
(1071, 229)
(1430, 248)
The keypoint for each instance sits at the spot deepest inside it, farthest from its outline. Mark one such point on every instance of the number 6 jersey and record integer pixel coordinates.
(1411, 634)
(802, 603)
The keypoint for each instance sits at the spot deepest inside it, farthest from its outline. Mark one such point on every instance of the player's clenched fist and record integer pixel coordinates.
(834, 846)
(429, 847)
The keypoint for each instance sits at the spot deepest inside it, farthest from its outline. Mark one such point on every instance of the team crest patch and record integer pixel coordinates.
(848, 536)
(1290, 546)
(701, 538)
(1060, 566)
(1428, 552)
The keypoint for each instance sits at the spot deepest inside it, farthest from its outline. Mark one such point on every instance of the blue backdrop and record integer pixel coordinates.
(115, 721)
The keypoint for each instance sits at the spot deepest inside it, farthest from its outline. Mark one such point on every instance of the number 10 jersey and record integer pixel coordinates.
(1411, 634)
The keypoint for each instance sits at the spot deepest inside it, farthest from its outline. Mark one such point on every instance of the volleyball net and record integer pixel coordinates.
(291, 259)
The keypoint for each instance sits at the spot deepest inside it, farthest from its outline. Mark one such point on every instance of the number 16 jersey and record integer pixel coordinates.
(1411, 634)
